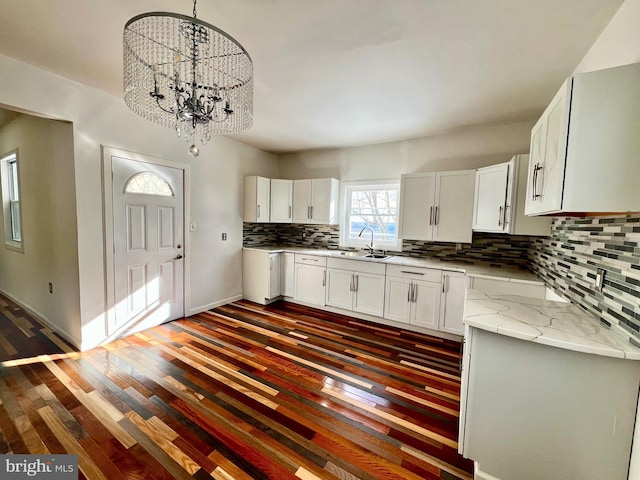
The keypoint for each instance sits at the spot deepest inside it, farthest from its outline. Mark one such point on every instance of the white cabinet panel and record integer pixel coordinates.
(274, 275)
(316, 201)
(500, 200)
(281, 201)
(256, 199)
(310, 284)
(584, 152)
(287, 273)
(426, 305)
(437, 206)
(454, 286)
(397, 304)
(340, 287)
(369, 293)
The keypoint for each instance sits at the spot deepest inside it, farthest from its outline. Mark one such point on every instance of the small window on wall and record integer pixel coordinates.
(11, 201)
(375, 206)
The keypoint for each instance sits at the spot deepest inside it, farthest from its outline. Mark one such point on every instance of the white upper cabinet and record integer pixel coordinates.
(500, 200)
(316, 200)
(281, 201)
(437, 206)
(256, 199)
(585, 147)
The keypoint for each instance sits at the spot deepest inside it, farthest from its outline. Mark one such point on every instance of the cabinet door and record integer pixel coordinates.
(548, 155)
(453, 213)
(426, 305)
(281, 201)
(489, 209)
(301, 201)
(310, 284)
(263, 196)
(322, 200)
(339, 288)
(274, 275)
(397, 306)
(452, 302)
(369, 294)
(287, 274)
(417, 194)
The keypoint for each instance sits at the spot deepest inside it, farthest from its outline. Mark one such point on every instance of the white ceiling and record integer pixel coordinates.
(336, 73)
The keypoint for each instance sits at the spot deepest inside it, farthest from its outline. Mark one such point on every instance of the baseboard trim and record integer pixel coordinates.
(44, 320)
(483, 476)
(209, 306)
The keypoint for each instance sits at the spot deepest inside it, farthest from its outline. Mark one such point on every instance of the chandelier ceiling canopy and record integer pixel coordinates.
(186, 74)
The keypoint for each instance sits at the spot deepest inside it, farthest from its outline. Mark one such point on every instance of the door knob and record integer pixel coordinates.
(178, 257)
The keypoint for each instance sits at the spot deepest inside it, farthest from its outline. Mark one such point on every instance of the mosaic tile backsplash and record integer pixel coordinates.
(568, 261)
(487, 249)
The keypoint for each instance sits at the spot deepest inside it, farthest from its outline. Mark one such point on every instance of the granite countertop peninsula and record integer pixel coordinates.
(473, 270)
(555, 324)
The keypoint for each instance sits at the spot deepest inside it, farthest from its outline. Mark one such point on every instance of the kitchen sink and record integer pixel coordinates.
(376, 256)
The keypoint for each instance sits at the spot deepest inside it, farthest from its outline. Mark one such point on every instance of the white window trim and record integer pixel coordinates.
(360, 243)
(9, 242)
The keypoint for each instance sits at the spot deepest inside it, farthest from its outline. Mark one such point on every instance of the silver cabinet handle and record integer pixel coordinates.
(409, 292)
(258, 211)
(289, 211)
(355, 287)
(430, 215)
(445, 283)
(412, 273)
(500, 216)
(536, 171)
(507, 216)
(324, 278)
(435, 216)
(415, 293)
(270, 263)
(310, 259)
(311, 216)
(351, 284)
(533, 182)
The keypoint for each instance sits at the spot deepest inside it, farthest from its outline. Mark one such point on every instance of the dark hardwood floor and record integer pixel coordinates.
(244, 391)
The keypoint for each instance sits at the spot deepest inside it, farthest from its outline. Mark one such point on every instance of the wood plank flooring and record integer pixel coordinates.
(243, 392)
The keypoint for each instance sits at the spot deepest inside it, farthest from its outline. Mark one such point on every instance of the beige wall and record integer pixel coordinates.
(461, 149)
(102, 119)
(50, 241)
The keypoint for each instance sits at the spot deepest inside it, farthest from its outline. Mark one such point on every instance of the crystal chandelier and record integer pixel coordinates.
(188, 75)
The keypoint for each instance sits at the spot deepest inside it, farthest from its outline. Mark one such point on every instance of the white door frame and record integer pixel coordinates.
(107, 219)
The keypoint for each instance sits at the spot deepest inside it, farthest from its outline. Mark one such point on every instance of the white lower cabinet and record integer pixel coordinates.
(310, 279)
(287, 273)
(454, 285)
(261, 276)
(413, 296)
(355, 285)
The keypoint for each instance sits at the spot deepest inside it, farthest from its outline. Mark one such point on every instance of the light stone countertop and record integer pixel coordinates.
(556, 324)
(472, 270)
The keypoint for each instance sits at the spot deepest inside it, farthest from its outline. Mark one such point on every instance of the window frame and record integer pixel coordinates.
(11, 203)
(345, 193)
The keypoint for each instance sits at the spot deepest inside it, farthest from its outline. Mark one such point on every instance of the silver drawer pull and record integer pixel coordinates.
(311, 259)
(412, 273)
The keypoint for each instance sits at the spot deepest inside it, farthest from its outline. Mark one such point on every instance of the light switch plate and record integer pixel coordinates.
(599, 279)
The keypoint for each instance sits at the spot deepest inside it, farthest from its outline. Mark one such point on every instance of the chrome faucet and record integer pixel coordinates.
(370, 247)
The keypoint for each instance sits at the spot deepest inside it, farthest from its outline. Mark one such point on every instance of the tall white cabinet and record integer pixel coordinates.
(500, 200)
(437, 206)
(585, 147)
(316, 200)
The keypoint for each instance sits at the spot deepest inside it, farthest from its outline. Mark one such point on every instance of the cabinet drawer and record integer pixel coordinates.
(363, 266)
(416, 273)
(311, 260)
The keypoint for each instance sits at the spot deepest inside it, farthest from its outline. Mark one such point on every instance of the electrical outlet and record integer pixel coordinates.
(224, 236)
(600, 273)
(303, 235)
(50, 287)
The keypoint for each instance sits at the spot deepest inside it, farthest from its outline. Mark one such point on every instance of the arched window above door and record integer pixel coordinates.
(148, 183)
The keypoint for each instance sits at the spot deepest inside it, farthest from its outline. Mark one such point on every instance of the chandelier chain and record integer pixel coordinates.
(194, 9)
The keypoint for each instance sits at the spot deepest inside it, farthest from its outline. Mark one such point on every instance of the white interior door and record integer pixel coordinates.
(148, 230)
